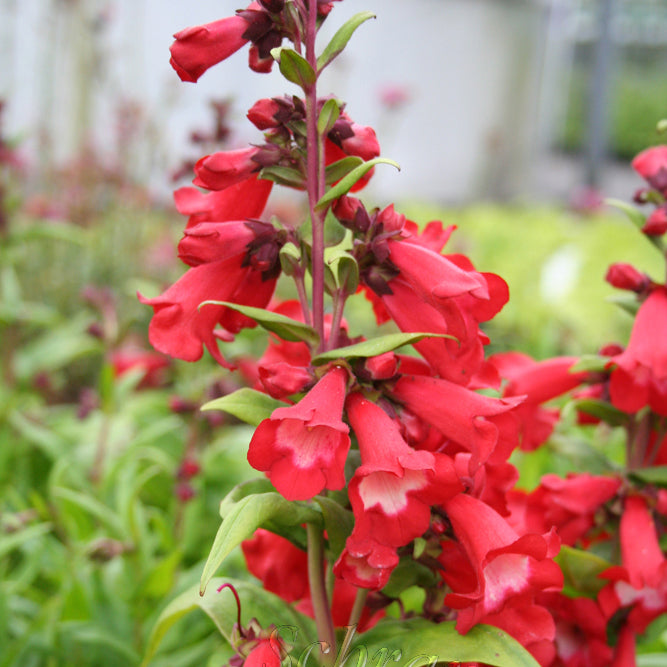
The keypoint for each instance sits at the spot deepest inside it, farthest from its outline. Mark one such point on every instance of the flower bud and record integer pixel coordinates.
(625, 276)
(656, 225)
(262, 114)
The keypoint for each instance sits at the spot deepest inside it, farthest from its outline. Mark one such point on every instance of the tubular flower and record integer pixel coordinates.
(303, 448)
(217, 252)
(247, 199)
(393, 489)
(639, 374)
(365, 563)
(641, 582)
(480, 424)
(651, 165)
(198, 48)
(506, 565)
(538, 382)
(225, 169)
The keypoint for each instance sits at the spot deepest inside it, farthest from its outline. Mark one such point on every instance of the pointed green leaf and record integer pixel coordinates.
(375, 346)
(248, 405)
(240, 491)
(328, 116)
(656, 475)
(635, 215)
(590, 362)
(343, 267)
(290, 257)
(343, 186)
(295, 68)
(261, 510)
(281, 325)
(341, 168)
(283, 176)
(341, 38)
(421, 642)
(257, 603)
(602, 410)
(338, 522)
(14, 540)
(628, 302)
(409, 573)
(581, 570)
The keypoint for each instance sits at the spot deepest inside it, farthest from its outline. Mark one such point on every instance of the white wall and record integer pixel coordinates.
(472, 68)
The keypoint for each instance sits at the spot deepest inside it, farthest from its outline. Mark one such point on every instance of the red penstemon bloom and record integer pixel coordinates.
(303, 448)
(392, 491)
(639, 374)
(507, 566)
(651, 165)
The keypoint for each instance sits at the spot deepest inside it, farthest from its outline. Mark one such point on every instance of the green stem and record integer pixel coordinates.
(358, 608)
(321, 608)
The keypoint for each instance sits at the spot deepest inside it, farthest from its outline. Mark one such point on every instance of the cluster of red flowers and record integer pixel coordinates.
(409, 444)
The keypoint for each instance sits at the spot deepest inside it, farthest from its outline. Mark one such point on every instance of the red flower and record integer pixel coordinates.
(198, 48)
(641, 583)
(365, 563)
(243, 201)
(392, 491)
(656, 224)
(222, 170)
(537, 382)
(303, 448)
(506, 565)
(651, 165)
(625, 276)
(640, 374)
(281, 567)
(265, 653)
(477, 423)
(568, 504)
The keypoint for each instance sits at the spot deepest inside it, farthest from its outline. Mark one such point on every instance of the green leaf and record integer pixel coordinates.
(406, 574)
(634, 215)
(262, 510)
(602, 410)
(290, 257)
(221, 608)
(341, 38)
(281, 325)
(344, 268)
(338, 522)
(590, 362)
(375, 346)
(581, 570)
(240, 491)
(328, 116)
(652, 660)
(656, 475)
(421, 642)
(14, 540)
(295, 68)
(341, 168)
(628, 302)
(293, 178)
(248, 405)
(343, 186)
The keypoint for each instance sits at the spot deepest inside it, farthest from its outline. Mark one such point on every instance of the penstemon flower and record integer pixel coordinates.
(386, 471)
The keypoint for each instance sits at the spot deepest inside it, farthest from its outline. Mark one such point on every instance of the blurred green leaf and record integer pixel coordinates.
(248, 405)
(581, 569)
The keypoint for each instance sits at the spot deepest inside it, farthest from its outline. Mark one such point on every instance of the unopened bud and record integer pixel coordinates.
(625, 276)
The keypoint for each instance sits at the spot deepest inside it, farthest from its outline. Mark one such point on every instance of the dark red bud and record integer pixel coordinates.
(274, 6)
(656, 225)
(184, 492)
(625, 276)
(188, 469)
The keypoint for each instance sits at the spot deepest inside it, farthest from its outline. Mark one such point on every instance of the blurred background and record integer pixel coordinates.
(490, 99)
